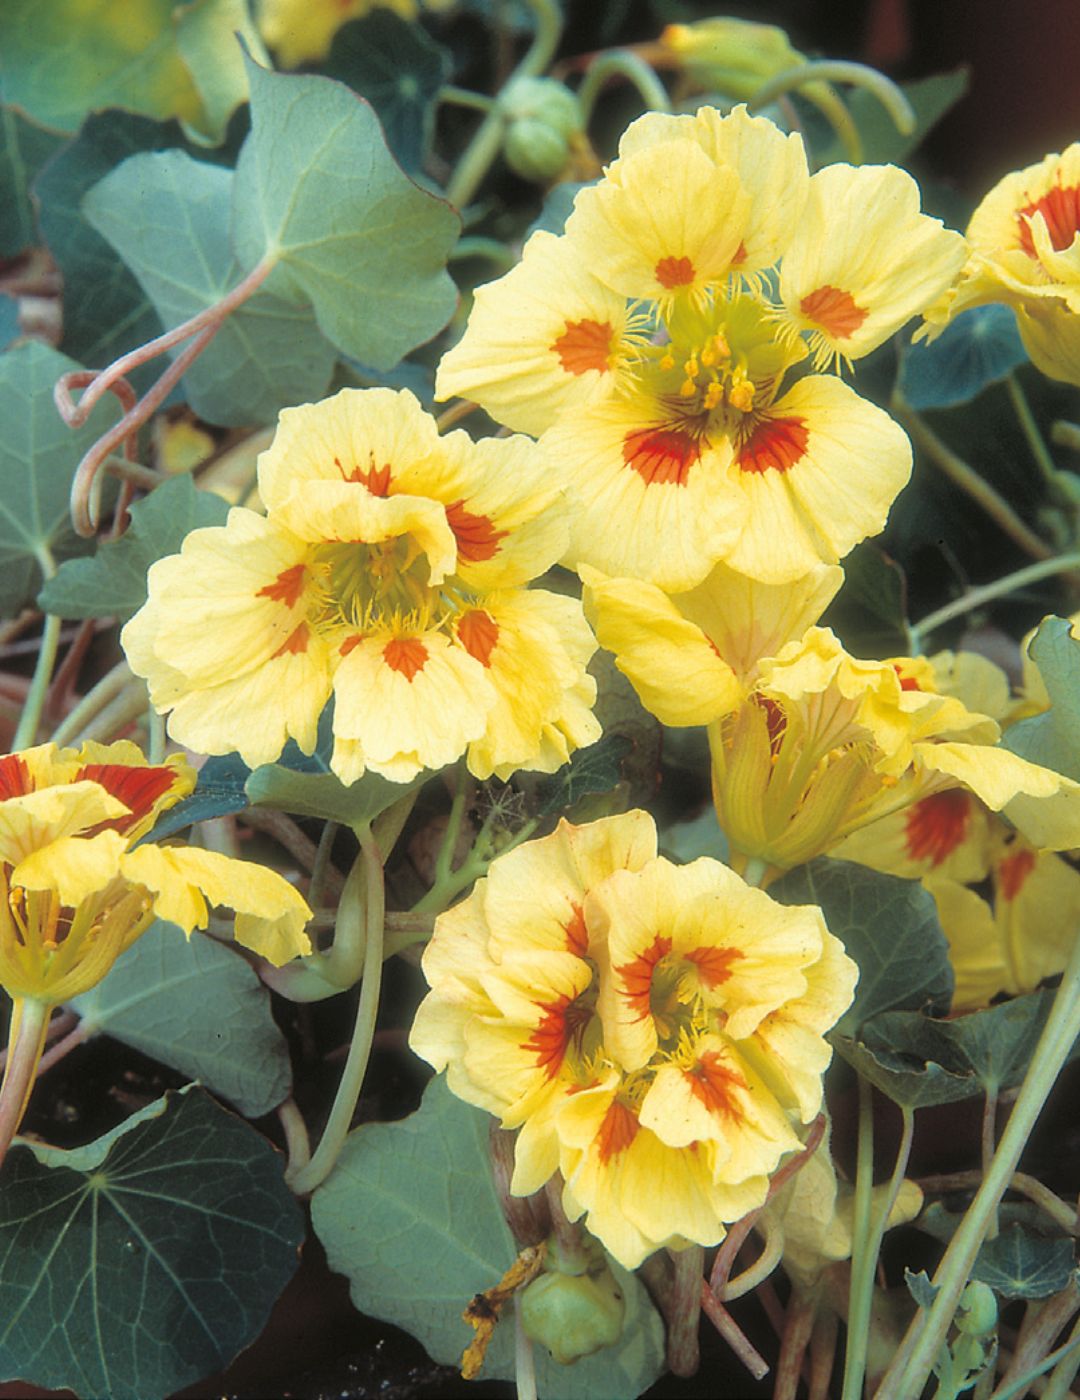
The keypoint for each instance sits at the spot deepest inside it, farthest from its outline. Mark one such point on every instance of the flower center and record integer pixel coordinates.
(371, 586)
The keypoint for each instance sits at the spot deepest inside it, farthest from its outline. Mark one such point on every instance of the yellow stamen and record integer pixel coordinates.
(713, 394)
(689, 389)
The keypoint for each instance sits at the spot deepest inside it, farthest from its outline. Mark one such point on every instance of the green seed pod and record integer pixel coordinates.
(573, 1315)
(535, 150)
(541, 116)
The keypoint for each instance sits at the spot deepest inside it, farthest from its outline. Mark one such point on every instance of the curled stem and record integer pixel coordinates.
(732, 1333)
(622, 63)
(1061, 1214)
(26, 1040)
(297, 1142)
(313, 1173)
(884, 89)
(762, 1267)
(921, 1345)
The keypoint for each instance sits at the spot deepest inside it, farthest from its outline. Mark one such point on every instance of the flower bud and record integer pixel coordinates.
(732, 56)
(543, 117)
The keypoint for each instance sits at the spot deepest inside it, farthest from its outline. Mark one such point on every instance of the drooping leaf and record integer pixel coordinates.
(106, 312)
(882, 143)
(889, 926)
(113, 582)
(902, 1078)
(595, 769)
(304, 785)
(1019, 1264)
(24, 149)
(197, 1006)
(980, 347)
(995, 1044)
(320, 195)
(399, 69)
(920, 1288)
(409, 1214)
(38, 457)
(134, 1266)
(167, 216)
(869, 614)
(109, 55)
(1053, 738)
(219, 792)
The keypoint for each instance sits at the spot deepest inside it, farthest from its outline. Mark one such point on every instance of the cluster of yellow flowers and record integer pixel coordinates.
(683, 441)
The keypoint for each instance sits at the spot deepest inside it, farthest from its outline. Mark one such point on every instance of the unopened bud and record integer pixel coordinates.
(731, 56)
(573, 1312)
(543, 117)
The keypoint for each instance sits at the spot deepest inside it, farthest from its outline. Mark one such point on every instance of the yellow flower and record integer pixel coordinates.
(300, 31)
(656, 1032)
(649, 346)
(1024, 253)
(389, 572)
(78, 889)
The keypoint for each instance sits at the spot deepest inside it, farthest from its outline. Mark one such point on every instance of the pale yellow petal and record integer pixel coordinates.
(75, 866)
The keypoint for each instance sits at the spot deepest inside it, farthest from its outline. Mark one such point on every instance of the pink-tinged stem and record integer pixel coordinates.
(822, 1355)
(26, 1039)
(62, 1047)
(798, 1326)
(684, 1310)
(729, 1329)
(98, 384)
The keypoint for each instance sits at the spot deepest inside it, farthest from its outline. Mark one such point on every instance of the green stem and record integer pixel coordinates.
(155, 728)
(969, 481)
(755, 870)
(46, 660)
(1065, 434)
(321, 864)
(312, 1174)
(863, 1252)
(481, 151)
(26, 1040)
(489, 248)
(837, 71)
(985, 593)
(472, 867)
(1035, 439)
(462, 97)
(92, 703)
(444, 861)
(913, 1362)
(831, 105)
(1066, 1363)
(524, 1362)
(624, 64)
(130, 704)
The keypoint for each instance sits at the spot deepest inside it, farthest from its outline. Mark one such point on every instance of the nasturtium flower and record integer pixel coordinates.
(1024, 253)
(656, 1032)
(649, 345)
(301, 31)
(79, 888)
(389, 572)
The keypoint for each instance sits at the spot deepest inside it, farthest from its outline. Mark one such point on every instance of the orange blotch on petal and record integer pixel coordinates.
(1060, 207)
(562, 1025)
(714, 964)
(585, 345)
(376, 479)
(296, 642)
(661, 456)
(350, 644)
(715, 1085)
(577, 935)
(775, 444)
(477, 537)
(775, 721)
(937, 825)
(617, 1131)
(479, 634)
(15, 779)
(405, 654)
(286, 588)
(834, 310)
(637, 975)
(1012, 873)
(906, 682)
(674, 272)
(137, 788)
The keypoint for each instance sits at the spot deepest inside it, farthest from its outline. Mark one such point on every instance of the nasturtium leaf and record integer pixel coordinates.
(109, 55)
(980, 347)
(1018, 1264)
(869, 614)
(889, 926)
(903, 1079)
(113, 582)
(557, 207)
(399, 69)
(995, 1044)
(595, 769)
(310, 790)
(134, 1266)
(920, 1288)
(318, 194)
(410, 1216)
(106, 312)
(882, 142)
(10, 328)
(700, 836)
(1053, 739)
(167, 216)
(219, 792)
(198, 1007)
(24, 149)
(38, 457)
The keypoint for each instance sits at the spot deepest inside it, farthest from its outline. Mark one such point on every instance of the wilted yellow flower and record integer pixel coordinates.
(655, 1031)
(389, 571)
(78, 889)
(1024, 253)
(649, 346)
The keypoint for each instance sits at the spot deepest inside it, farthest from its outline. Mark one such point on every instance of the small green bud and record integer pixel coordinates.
(575, 1307)
(542, 117)
(732, 56)
(978, 1311)
(535, 150)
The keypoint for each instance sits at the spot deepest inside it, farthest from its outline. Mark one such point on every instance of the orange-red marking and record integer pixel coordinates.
(137, 788)
(1012, 872)
(15, 780)
(479, 633)
(776, 444)
(674, 272)
(477, 537)
(937, 825)
(1060, 207)
(286, 588)
(405, 654)
(834, 310)
(584, 345)
(617, 1131)
(661, 456)
(637, 975)
(714, 1084)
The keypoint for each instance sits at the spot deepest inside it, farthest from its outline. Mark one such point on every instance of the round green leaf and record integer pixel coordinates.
(133, 1266)
(980, 347)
